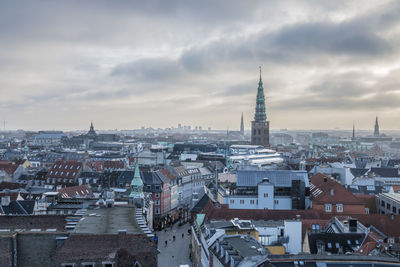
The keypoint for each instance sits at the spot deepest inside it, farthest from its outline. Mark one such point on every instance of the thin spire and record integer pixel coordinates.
(354, 132)
(241, 125)
(376, 130)
(260, 115)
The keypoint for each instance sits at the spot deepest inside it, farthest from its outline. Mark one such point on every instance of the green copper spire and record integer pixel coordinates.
(137, 183)
(260, 115)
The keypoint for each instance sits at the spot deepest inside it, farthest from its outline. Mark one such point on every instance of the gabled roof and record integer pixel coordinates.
(69, 169)
(75, 191)
(358, 171)
(126, 177)
(10, 185)
(385, 172)
(19, 207)
(150, 178)
(162, 177)
(222, 212)
(8, 167)
(325, 189)
(168, 174)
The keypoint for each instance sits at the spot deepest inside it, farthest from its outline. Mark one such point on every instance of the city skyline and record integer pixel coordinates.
(124, 65)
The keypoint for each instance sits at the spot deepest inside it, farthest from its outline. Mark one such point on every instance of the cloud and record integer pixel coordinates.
(196, 61)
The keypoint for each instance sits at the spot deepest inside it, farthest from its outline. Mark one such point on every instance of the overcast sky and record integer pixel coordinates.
(127, 64)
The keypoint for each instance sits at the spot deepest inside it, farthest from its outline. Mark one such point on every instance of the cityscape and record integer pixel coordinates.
(212, 134)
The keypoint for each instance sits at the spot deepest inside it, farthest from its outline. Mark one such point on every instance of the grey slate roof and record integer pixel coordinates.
(281, 178)
(386, 172)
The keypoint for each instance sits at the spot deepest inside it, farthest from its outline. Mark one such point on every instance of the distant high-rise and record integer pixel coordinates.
(242, 126)
(260, 125)
(376, 131)
(354, 133)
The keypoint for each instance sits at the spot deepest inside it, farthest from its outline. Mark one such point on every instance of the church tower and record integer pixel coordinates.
(242, 126)
(376, 131)
(260, 125)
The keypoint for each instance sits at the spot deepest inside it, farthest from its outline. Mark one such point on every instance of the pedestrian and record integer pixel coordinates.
(173, 238)
(166, 242)
(183, 234)
(165, 230)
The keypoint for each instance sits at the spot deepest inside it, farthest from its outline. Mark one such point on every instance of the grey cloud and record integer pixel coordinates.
(153, 69)
(340, 92)
(341, 38)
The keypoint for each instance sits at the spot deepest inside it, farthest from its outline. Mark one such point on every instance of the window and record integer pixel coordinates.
(87, 264)
(383, 203)
(157, 202)
(232, 201)
(394, 209)
(388, 206)
(107, 264)
(276, 202)
(156, 195)
(265, 194)
(251, 201)
(366, 210)
(68, 264)
(241, 201)
(329, 245)
(157, 211)
(328, 207)
(339, 207)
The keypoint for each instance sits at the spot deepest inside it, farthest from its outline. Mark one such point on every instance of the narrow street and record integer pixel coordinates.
(176, 252)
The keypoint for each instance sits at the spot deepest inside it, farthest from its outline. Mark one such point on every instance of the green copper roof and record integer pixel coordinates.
(260, 115)
(137, 181)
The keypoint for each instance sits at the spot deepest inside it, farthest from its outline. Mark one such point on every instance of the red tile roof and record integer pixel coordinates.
(222, 212)
(8, 167)
(10, 185)
(69, 169)
(113, 164)
(81, 191)
(325, 189)
(167, 174)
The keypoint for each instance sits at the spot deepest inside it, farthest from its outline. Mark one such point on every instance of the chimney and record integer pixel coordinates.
(5, 201)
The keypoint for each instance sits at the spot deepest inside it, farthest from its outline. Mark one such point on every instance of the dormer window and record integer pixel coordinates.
(328, 207)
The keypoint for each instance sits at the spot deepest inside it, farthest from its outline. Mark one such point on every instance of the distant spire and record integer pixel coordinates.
(260, 115)
(376, 130)
(354, 132)
(241, 125)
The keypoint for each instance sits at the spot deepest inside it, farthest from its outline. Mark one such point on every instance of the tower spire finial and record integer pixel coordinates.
(260, 73)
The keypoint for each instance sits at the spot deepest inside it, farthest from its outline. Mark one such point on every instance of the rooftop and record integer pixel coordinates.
(108, 221)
